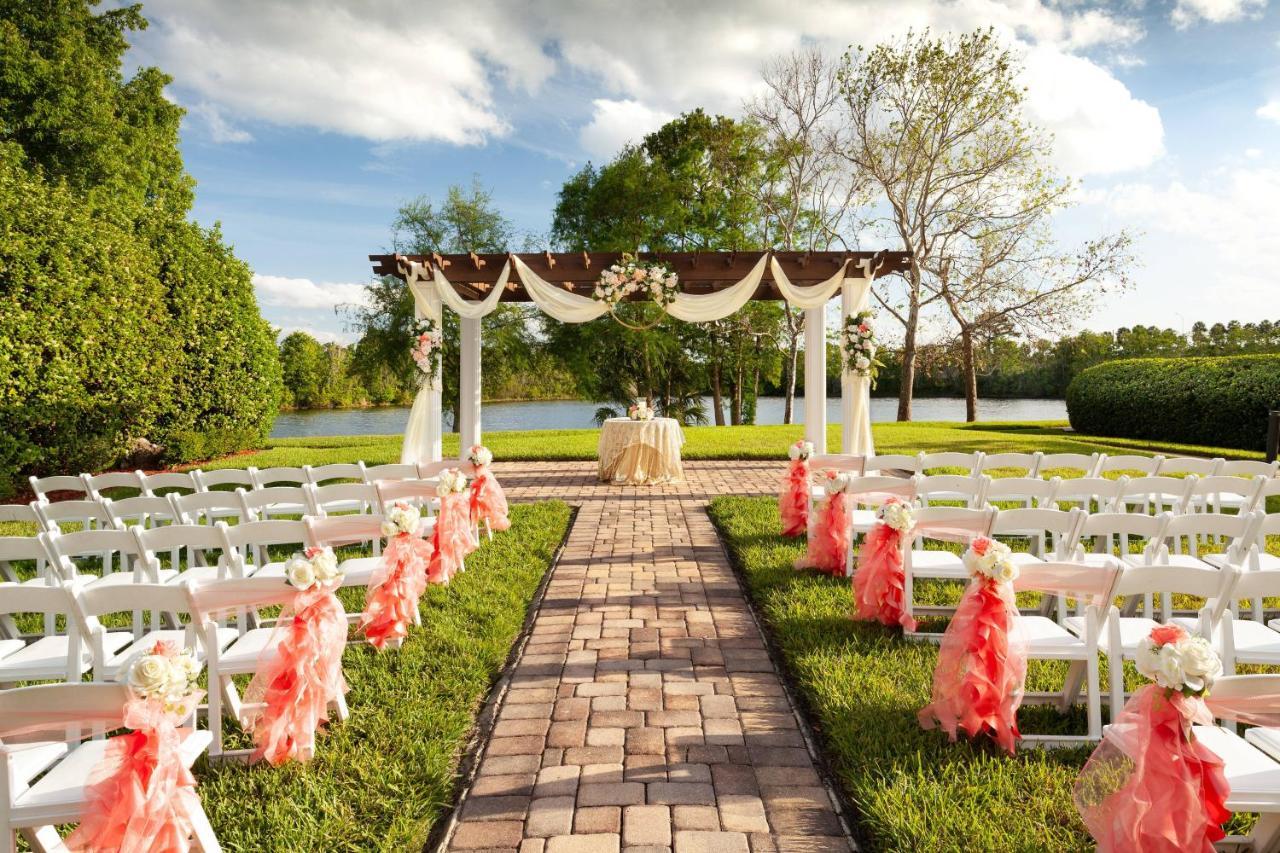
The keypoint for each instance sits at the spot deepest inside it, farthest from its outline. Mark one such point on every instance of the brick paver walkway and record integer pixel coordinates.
(644, 714)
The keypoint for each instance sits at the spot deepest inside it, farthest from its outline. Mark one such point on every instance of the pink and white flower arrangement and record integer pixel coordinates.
(990, 559)
(1178, 661)
(860, 346)
(640, 411)
(313, 566)
(166, 673)
(401, 518)
(835, 482)
(426, 342)
(480, 456)
(897, 514)
(800, 450)
(629, 276)
(451, 482)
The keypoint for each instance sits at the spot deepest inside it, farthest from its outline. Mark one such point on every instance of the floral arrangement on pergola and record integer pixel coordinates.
(698, 287)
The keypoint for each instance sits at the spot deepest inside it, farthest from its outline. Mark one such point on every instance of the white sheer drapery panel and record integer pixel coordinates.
(815, 296)
(424, 432)
(855, 390)
(706, 307)
(556, 302)
(466, 308)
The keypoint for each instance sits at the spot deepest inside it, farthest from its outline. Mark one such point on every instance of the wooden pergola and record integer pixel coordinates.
(472, 276)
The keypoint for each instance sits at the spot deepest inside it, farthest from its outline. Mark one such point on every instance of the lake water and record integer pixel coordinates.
(576, 414)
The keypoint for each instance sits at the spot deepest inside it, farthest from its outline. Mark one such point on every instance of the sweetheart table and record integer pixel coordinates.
(634, 453)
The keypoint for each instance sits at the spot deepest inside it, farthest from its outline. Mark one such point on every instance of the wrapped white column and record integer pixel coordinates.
(422, 435)
(815, 377)
(468, 385)
(855, 390)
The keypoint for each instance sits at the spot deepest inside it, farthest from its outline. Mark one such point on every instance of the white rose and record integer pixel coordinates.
(300, 573)
(1006, 571)
(149, 675)
(1169, 672)
(793, 452)
(836, 484)
(862, 362)
(1147, 660)
(1200, 662)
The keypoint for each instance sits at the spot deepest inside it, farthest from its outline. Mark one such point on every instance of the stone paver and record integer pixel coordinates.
(644, 713)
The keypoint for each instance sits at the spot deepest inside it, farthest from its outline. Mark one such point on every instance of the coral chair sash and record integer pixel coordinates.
(879, 582)
(488, 501)
(793, 500)
(300, 674)
(1150, 785)
(982, 667)
(452, 539)
(829, 544)
(391, 602)
(140, 795)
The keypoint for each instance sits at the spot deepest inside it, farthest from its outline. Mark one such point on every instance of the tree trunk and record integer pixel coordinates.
(970, 374)
(908, 374)
(736, 413)
(716, 397)
(795, 328)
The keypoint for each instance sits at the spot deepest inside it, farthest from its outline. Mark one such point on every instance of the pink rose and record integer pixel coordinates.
(980, 545)
(1165, 634)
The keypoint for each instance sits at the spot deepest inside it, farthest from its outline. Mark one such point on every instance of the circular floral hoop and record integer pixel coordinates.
(658, 281)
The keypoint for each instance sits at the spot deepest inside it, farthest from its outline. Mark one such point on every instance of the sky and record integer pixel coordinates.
(309, 123)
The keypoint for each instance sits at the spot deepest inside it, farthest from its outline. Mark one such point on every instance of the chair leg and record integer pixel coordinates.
(10, 841)
(1266, 833)
(206, 838)
(43, 839)
(341, 704)
(1115, 669)
(213, 714)
(1094, 698)
(1071, 686)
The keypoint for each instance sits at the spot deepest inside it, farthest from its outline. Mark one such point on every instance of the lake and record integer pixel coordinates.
(576, 414)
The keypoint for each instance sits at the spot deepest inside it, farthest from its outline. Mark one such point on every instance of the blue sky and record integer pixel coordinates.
(310, 123)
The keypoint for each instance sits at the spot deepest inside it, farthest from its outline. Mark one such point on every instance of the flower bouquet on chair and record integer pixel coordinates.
(794, 499)
(879, 582)
(832, 529)
(453, 536)
(391, 601)
(488, 501)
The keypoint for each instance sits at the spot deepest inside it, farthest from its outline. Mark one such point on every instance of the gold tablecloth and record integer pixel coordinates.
(638, 452)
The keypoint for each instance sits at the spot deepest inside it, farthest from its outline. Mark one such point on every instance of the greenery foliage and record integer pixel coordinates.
(121, 320)
(1222, 401)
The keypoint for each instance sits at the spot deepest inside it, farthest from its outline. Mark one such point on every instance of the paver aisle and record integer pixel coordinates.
(645, 714)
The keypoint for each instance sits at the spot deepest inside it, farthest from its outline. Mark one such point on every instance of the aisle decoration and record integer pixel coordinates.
(453, 536)
(880, 580)
(391, 600)
(831, 538)
(1150, 785)
(488, 501)
(860, 346)
(655, 281)
(301, 668)
(426, 346)
(141, 795)
(793, 501)
(981, 672)
(640, 411)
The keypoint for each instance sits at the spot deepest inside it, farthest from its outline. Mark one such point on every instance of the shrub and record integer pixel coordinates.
(1216, 401)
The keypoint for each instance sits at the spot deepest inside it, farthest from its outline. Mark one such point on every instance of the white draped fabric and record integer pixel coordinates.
(855, 389)
(705, 307)
(466, 308)
(555, 301)
(814, 296)
(422, 435)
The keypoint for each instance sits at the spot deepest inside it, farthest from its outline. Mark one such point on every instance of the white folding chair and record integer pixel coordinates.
(1120, 534)
(1184, 465)
(1027, 463)
(1049, 640)
(1026, 492)
(866, 494)
(339, 530)
(1068, 465)
(128, 481)
(194, 552)
(18, 551)
(1214, 494)
(956, 525)
(419, 493)
(374, 474)
(283, 475)
(209, 507)
(254, 540)
(343, 498)
(1249, 468)
(1156, 494)
(1091, 494)
(889, 464)
(1130, 464)
(1251, 641)
(271, 502)
(20, 514)
(117, 550)
(74, 514)
(169, 482)
(1050, 534)
(48, 657)
(210, 602)
(322, 475)
(969, 463)
(143, 511)
(850, 465)
(236, 478)
(45, 488)
(967, 489)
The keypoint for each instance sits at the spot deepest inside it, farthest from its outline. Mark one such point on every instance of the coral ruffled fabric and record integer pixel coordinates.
(140, 795)
(488, 501)
(879, 582)
(1150, 785)
(982, 667)
(391, 601)
(793, 501)
(832, 531)
(452, 539)
(300, 675)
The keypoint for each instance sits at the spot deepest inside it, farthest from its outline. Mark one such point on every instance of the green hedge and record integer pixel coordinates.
(1218, 401)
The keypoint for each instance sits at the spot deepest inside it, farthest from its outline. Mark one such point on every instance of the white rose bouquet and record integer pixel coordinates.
(800, 450)
(896, 513)
(640, 412)
(860, 346)
(480, 456)
(314, 566)
(1177, 661)
(835, 483)
(629, 275)
(451, 482)
(425, 346)
(985, 557)
(401, 518)
(167, 674)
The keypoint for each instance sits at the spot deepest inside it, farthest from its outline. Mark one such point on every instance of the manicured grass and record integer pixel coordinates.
(742, 442)
(383, 778)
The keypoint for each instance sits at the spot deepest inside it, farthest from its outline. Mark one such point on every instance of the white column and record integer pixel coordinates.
(422, 435)
(468, 385)
(855, 391)
(815, 377)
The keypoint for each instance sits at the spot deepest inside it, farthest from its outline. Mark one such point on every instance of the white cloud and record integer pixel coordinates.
(217, 126)
(303, 293)
(615, 123)
(324, 336)
(1270, 110)
(1188, 12)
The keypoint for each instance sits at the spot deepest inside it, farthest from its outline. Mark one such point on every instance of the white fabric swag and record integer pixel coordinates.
(466, 308)
(423, 434)
(555, 301)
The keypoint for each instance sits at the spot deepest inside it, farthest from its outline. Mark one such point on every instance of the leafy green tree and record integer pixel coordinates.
(305, 367)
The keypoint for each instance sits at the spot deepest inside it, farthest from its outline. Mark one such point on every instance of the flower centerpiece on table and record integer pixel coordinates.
(860, 346)
(426, 344)
(313, 566)
(640, 412)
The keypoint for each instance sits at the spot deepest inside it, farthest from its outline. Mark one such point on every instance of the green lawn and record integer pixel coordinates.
(742, 442)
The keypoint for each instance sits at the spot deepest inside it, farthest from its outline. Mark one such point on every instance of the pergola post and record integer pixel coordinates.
(815, 377)
(468, 385)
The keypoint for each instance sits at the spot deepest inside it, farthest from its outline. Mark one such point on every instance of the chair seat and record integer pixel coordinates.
(165, 575)
(1255, 642)
(359, 571)
(1133, 630)
(863, 520)
(1049, 640)
(1024, 558)
(938, 564)
(1182, 561)
(1253, 776)
(176, 636)
(8, 647)
(248, 649)
(32, 759)
(198, 575)
(342, 507)
(1267, 740)
(46, 658)
(1268, 562)
(64, 785)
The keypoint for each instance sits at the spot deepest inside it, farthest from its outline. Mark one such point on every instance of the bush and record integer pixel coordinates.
(1216, 401)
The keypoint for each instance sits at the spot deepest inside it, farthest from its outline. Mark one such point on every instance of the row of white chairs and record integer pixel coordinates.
(1044, 464)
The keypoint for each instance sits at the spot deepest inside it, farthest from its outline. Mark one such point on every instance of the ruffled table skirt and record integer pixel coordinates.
(635, 453)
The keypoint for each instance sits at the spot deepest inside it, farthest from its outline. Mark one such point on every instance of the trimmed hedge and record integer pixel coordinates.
(1218, 401)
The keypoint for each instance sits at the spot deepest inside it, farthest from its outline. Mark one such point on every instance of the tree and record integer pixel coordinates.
(304, 366)
(937, 126)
